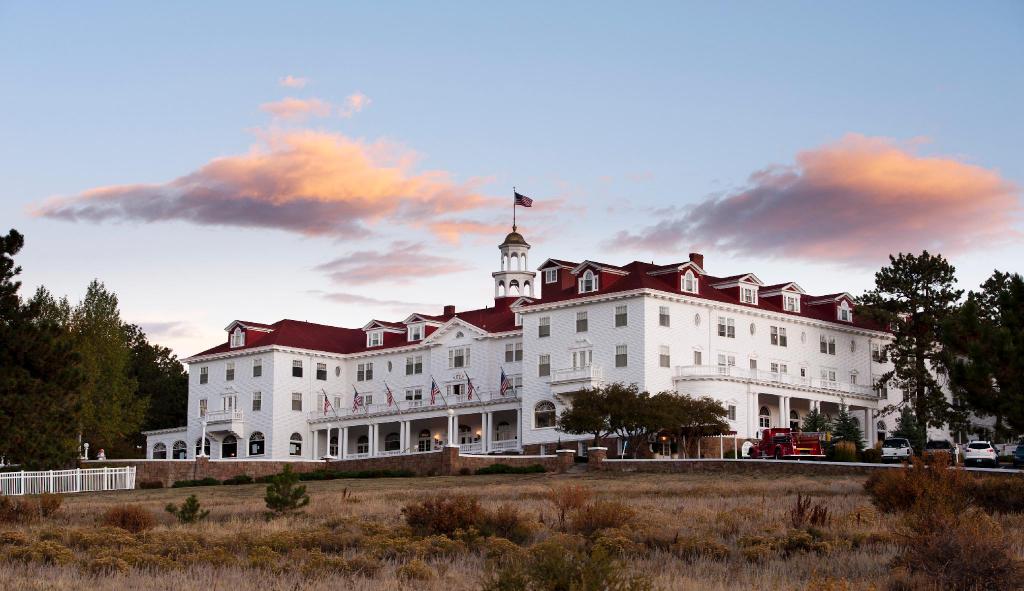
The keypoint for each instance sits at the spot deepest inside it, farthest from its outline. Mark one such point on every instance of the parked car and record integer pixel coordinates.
(896, 449)
(942, 446)
(980, 453)
(1018, 455)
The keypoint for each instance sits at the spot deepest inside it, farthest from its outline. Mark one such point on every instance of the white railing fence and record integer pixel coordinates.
(67, 481)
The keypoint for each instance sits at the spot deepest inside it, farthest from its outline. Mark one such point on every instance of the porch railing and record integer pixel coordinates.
(67, 481)
(480, 397)
(770, 377)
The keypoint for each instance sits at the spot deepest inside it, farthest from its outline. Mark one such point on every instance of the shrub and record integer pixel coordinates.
(443, 515)
(899, 490)
(107, 565)
(999, 494)
(150, 484)
(208, 481)
(804, 513)
(592, 518)
(561, 563)
(189, 511)
(29, 509)
(844, 451)
(239, 479)
(692, 548)
(566, 498)
(43, 552)
(506, 469)
(415, 570)
(131, 518)
(507, 521)
(282, 494)
(871, 455)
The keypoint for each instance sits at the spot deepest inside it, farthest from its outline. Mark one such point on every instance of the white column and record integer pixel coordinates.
(488, 419)
(452, 427)
(408, 434)
(519, 426)
(401, 436)
(868, 428)
(343, 442)
(371, 432)
(754, 407)
(316, 443)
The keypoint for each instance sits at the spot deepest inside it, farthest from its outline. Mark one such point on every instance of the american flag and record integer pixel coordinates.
(470, 390)
(523, 200)
(357, 399)
(327, 403)
(505, 382)
(434, 391)
(391, 396)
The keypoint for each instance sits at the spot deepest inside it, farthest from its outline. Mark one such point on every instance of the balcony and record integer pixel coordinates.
(574, 379)
(224, 421)
(768, 378)
(480, 398)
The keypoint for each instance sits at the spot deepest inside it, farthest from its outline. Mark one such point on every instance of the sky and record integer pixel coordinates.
(337, 162)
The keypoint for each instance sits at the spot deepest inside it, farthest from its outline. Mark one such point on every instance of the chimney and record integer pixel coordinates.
(697, 259)
(449, 310)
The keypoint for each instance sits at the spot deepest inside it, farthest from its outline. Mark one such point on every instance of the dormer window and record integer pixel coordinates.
(588, 282)
(551, 275)
(748, 295)
(791, 303)
(845, 313)
(689, 282)
(415, 332)
(375, 338)
(237, 338)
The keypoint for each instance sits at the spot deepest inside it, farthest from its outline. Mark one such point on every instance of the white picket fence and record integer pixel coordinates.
(67, 481)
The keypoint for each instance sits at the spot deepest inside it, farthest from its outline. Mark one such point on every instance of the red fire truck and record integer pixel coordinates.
(784, 443)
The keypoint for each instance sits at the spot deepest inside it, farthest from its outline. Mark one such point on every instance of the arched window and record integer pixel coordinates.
(505, 431)
(257, 445)
(513, 288)
(392, 442)
(423, 441)
(764, 418)
(237, 337)
(465, 434)
(504, 262)
(363, 445)
(501, 289)
(229, 447)
(201, 451)
(160, 451)
(794, 420)
(179, 451)
(588, 282)
(295, 445)
(514, 264)
(881, 429)
(528, 289)
(544, 415)
(689, 282)
(845, 313)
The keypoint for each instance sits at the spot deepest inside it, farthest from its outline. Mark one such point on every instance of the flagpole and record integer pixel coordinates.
(513, 208)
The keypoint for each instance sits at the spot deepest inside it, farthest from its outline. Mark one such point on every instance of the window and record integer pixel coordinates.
(375, 338)
(363, 445)
(697, 358)
(423, 442)
(778, 336)
(791, 303)
(518, 319)
(588, 282)
(160, 451)
(726, 360)
(297, 368)
(664, 357)
(621, 358)
(878, 353)
(229, 402)
(753, 364)
(455, 390)
(732, 412)
(229, 371)
(803, 372)
(543, 365)
(853, 378)
(551, 275)
(321, 371)
(202, 447)
(778, 367)
(544, 327)
(828, 345)
(828, 374)
(237, 338)
(415, 332)
(202, 407)
(513, 352)
(179, 450)
(748, 295)
(364, 372)
(517, 383)
(726, 327)
(256, 444)
(295, 445)
(257, 401)
(229, 447)
(689, 282)
(794, 420)
(204, 375)
(458, 357)
(296, 401)
(764, 418)
(544, 415)
(392, 442)
(664, 317)
(414, 365)
(257, 368)
(581, 321)
(845, 313)
(412, 394)
(582, 358)
(621, 315)
(881, 390)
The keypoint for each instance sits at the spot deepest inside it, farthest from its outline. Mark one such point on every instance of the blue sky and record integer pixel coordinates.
(615, 117)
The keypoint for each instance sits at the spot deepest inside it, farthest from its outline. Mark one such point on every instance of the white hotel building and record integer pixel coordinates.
(769, 353)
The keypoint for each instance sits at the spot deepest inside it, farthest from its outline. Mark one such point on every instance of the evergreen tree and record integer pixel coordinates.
(914, 296)
(908, 426)
(283, 496)
(39, 377)
(846, 428)
(816, 421)
(162, 383)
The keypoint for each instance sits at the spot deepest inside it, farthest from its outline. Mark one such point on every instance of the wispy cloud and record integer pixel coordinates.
(290, 81)
(452, 231)
(401, 262)
(296, 109)
(354, 103)
(361, 300)
(308, 182)
(168, 329)
(853, 201)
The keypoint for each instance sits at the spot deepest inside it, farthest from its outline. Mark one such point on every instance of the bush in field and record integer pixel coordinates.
(29, 509)
(564, 563)
(844, 451)
(999, 494)
(283, 495)
(508, 522)
(594, 517)
(208, 481)
(506, 469)
(150, 484)
(899, 490)
(567, 498)
(189, 511)
(239, 479)
(804, 513)
(415, 570)
(443, 515)
(131, 518)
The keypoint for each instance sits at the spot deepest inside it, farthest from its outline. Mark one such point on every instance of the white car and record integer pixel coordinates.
(981, 453)
(896, 449)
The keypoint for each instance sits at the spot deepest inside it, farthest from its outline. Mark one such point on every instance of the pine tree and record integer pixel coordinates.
(907, 426)
(816, 421)
(846, 428)
(282, 494)
(162, 384)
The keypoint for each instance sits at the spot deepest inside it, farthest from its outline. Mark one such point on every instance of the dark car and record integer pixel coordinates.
(1018, 455)
(941, 446)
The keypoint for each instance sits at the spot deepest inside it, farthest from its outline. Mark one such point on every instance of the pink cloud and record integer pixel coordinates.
(354, 103)
(355, 299)
(402, 262)
(452, 231)
(296, 109)
(308, 182)
(290, 81)
(853, 201)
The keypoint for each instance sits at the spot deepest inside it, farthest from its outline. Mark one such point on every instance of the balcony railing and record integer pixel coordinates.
(696, 372)
(480, 398)
(505, 445)
(223, 416)
(577, 374)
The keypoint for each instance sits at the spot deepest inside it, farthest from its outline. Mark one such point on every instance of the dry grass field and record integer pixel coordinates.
(656, 531)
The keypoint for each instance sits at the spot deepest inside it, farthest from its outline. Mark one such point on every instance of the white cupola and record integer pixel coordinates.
(514, 279)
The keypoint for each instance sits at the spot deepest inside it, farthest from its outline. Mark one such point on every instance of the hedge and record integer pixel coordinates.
(506, 469)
